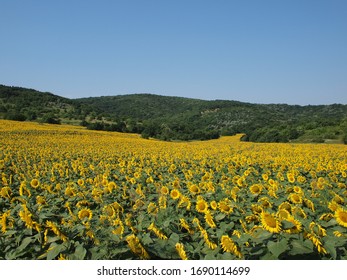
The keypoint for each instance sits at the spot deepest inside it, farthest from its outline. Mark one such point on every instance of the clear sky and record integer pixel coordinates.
(261, 51)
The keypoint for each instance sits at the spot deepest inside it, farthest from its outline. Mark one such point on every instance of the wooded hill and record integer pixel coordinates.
(178, 118)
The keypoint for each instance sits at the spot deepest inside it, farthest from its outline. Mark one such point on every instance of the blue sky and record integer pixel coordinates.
(279, 51)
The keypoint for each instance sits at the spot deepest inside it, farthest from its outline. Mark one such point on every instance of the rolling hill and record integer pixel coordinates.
(178, 118)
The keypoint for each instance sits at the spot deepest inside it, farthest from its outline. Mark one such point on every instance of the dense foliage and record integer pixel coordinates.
(177, 118)
(71, 193)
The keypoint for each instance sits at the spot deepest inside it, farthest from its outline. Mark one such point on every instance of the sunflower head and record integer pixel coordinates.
(283, 214)
(297, 189)
(109, 211)
(256, 209)
(338, 199)
(286, 206)
(80, 182)
(297, 226)
(298, 211)
(40, 200)
(224, 206)
(213, 205)
(181, 252)
(270, 223)
(175, 194)
(6, 192)
(85, 213)
(201, 206)
(35, 183)
(152, 208)
(255, 189)
(164, 190)
(295, 198)
(341, 217)
(194, 189)
(265, 203)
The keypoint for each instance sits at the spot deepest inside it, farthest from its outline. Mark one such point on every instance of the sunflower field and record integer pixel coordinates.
(69, 193)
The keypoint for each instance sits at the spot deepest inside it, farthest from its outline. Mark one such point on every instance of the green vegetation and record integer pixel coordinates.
(178, 118)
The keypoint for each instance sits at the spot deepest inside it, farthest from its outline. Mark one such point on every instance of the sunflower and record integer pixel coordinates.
(283, 214)
(272, 183)
(53, 227)
(213, 205)
(251, 218)
(270, 223)
(40, 200)
(119, 227)
(256, 209)
(111, 186)
(186, 226)
(162, 202)
(80, 182)
(297, 189)
(228, 245)
(175, 194)
(194, 189)
(181, 252)
(333, 206)
(5, 219)
(256, 189)
(6, 192)
(299, 212)
(209, 219)
(309, 204)
(69, 191)
(265, 176)
(207, 240)
(109, 211)
(295, 198)
(157, 231)
(286, 206)
(85, 213)
(264, 201)
(25, 215)
(201, 206)
(164, 190)
(152, 208)
(297, 226)
(341, 217)
(35, 183)
(326, 217)
(224, 206)
(136, 247)
(290, 177)
(338, 199)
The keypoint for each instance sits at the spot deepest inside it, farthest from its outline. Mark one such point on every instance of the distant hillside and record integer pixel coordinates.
(178, 118)
(184, 118)
(21, 104)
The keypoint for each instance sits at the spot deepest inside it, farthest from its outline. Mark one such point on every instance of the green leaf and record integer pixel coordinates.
(26, 241)
(301, 247)
(227, 256)
(220, 217)
(260, 235)
(80, 252)
(330, 247)
(210, 256)
(146, 239)
(174, 238)
(10, 232)
(56, 250)
(277, 248)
